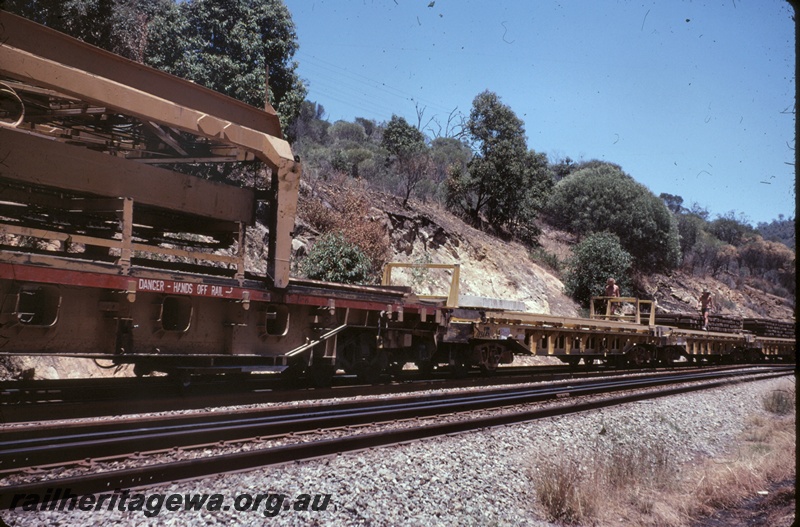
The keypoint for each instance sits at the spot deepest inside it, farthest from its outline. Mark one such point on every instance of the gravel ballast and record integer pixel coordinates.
(478, 478)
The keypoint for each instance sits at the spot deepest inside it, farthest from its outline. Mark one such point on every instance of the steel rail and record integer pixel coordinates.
(149, 476)
(24, 437)
(110, 441)
(83, 390)
(50, 433)
(44, 400)
(28, 432)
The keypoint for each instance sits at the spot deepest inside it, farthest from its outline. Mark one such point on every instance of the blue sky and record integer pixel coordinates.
(694, 98)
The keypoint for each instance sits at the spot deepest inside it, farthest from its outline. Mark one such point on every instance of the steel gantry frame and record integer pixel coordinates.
(97, 123)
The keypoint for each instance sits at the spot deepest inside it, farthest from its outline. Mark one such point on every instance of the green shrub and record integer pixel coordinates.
(349, 216)
(731, 229)
(600, 197)
(690, 228)
(333, 259)
(594, 260)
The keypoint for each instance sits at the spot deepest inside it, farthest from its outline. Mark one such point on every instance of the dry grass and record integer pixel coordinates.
(350, 215)
(780, 402)
(564, 493)
(765, 452)
(619, 481)
(615, 480)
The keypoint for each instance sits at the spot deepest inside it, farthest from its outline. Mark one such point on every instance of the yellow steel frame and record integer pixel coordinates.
(450, 300)
(47, 59)
(610, 314)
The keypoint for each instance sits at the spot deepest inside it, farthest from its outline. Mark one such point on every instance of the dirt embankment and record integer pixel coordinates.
(491, 267)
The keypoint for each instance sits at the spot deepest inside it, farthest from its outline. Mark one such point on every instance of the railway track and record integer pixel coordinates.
(44, 400)
(29, 447)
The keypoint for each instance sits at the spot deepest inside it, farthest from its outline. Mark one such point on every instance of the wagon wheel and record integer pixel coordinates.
(321, 375)
(619, 361)
(395, 368)
(488, 357)
(140, 370)
(359, 356)
(638, 356)
(675, 354)
(425, 367)
(459, 369)
(181, 377)
(368, 372)
(572, 361)
(460, 361)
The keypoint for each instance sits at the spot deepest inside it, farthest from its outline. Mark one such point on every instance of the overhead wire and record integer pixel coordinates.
(357, 91)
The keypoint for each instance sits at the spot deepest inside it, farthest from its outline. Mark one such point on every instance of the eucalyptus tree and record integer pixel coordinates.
(227, 45)
(408, 154)
(601, 197)
(231, 46)
(504, 182)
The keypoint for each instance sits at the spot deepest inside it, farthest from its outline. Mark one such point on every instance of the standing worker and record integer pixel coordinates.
(706, 304)
(612, 290)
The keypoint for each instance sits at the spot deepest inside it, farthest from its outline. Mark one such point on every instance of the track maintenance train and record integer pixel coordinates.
(110, 249)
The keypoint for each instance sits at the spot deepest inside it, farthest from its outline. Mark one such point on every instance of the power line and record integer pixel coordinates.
(356, 90)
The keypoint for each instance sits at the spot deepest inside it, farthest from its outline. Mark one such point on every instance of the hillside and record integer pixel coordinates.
(491, 267)
(426, 233)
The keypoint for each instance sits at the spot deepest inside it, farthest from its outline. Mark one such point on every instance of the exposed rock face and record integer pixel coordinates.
(679, 292)
(52, 367)
(489, 267)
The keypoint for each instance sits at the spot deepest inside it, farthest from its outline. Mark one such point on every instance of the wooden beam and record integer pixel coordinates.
(209, 257)
(59, 236)
(38, 161)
